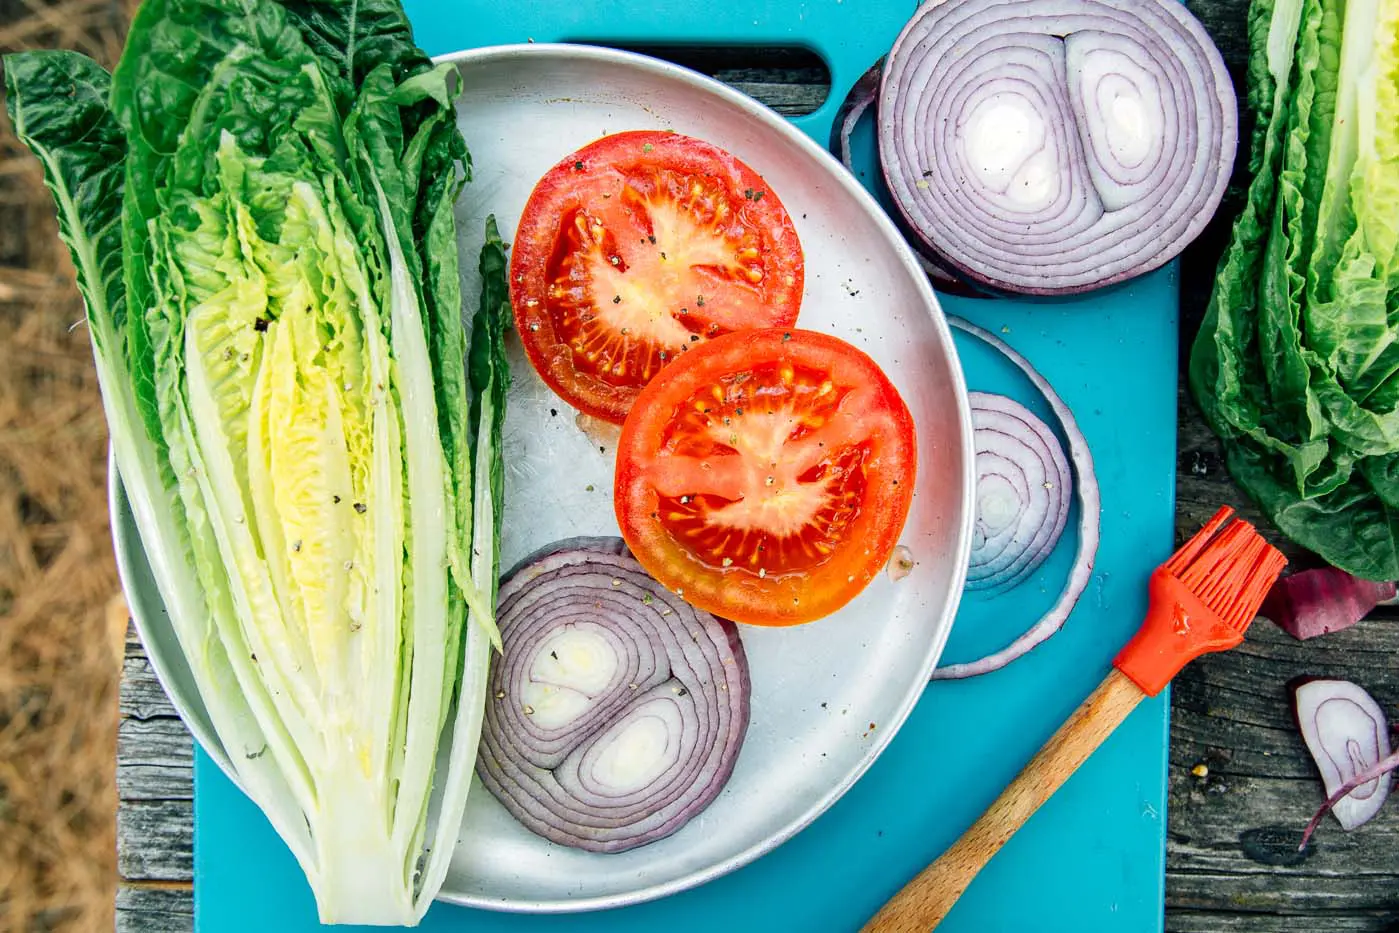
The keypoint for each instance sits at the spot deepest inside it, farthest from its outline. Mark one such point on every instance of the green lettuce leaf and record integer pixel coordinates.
(1296, 366)
(270, 188)
(490, 379)
(58, 104)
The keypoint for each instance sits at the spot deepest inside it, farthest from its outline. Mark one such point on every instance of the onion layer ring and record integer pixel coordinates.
(1022, 492)
(1089, 519)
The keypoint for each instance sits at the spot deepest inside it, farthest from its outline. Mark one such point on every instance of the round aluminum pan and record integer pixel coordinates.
(817, 688)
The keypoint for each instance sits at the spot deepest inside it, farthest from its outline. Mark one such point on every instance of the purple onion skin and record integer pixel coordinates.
(862, 96)
(1321, 601)
(598, 543)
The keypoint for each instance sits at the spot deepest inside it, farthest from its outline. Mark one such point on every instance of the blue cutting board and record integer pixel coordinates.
(1092, 860)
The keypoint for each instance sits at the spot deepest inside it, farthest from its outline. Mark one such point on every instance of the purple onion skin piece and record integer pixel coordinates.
(861, 97)
(617, 711)
(1323, 600)
(1053, 147)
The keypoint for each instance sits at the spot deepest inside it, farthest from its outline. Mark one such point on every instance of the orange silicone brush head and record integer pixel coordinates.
(1202, 599)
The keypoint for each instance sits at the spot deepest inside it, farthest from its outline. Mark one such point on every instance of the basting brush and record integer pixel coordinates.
(1201, 600)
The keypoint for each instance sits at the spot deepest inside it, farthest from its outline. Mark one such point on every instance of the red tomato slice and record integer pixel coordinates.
(637, 248)
(766, 475)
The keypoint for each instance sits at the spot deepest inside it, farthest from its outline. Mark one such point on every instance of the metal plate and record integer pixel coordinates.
(828, 696)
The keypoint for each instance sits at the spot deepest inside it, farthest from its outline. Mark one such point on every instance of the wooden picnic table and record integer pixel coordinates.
(1241, 783)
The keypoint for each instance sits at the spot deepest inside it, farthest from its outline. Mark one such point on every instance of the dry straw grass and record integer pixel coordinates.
(58, 670)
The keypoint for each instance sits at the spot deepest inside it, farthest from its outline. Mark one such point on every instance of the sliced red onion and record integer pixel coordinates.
(862, 96)
(1348, 737)
(617, 710)
(1022, 492)
(1321, 601)
(1089, 518)
(1055, 146)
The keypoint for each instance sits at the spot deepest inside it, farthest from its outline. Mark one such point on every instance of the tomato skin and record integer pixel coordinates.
(661, 453)
(646, 192)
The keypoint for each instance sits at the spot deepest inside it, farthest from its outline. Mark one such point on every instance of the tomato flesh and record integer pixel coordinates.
(768, 490)
(767, 475)
(636, 249)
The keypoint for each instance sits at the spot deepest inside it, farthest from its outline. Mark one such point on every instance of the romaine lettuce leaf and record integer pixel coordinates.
(1296, 366)
(269, 189)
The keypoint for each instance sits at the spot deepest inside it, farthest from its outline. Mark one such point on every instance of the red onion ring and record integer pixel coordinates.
(1089, 519)
(1022, 491)
(616, 710)
(863, 94)
(1050, 147)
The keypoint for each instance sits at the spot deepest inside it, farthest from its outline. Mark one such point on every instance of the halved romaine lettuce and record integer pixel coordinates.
(259, 205)
(1296, 366)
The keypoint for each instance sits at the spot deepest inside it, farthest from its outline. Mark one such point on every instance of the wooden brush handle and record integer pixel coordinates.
(926, 900)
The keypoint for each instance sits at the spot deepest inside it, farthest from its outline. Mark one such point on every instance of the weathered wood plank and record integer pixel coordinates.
(1250, 827)
(1231, 856)
(1266, 892)
(1219, 921)
(155, 760)
(145, 909)
(142, 696)
(155, 840)
(155, 788)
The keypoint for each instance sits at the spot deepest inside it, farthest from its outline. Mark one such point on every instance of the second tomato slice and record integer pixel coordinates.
(766, 477)
(638, 247)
